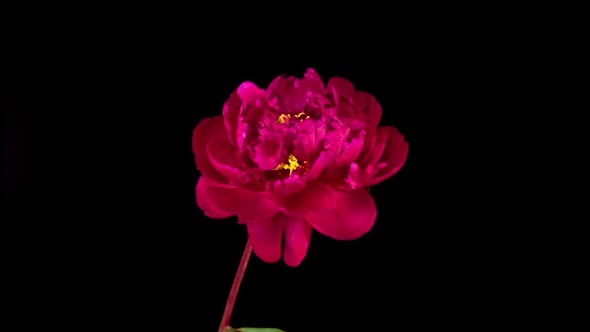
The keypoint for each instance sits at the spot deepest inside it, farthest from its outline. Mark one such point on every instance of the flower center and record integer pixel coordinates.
(292, 164)
(285, 117)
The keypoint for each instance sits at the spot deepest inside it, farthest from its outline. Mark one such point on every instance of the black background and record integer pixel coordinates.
(101, 228)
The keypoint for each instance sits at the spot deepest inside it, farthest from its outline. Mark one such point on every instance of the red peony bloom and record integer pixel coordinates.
(295, 156)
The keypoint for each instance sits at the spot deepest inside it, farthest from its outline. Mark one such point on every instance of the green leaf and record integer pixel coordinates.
(254, 329)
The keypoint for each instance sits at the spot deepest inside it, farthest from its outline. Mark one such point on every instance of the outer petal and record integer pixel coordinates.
(370, 107)
(313, 81)
(354, 216)
(231, 113)
(205, 204)
(247, 205)
(297, 236)
(206, 130)
(316, 197)
(342, 86)
(393, 156)
(223, 158)
(249, 93)
(265, 238)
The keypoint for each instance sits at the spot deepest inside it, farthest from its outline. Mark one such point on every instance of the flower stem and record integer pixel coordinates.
(233, 293)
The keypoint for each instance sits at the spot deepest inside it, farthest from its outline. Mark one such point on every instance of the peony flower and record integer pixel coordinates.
(296, 156)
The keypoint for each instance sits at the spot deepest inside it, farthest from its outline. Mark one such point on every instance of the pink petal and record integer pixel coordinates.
(351, 150)
(370, 107)
(315, 197)
(297, 235)
(271, 87)
(249, 93)
(270, 153)
(313, 81)
(368, 143)
(204, 204)
(223, 158)
(342, 86)
(206, 130)
(231, 113)
(377, 151)
(393, 157)
(288, 186)
(354, 216)
(247, 205)
(265, 238)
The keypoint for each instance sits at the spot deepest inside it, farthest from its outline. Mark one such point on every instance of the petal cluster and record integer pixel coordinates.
(295, 156)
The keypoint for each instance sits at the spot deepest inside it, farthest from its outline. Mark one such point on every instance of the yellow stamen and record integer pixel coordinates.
(283, 118)
(292, 164)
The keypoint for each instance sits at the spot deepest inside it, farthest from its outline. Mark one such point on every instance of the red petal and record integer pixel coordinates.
(394, 156)
(313, 81)
(204, 203)
(288, 186)
(223, 158)
(354, 216)
(249, 93)
(370, 107)
(377, 151)
(316, 197)
(270, 153)
(368, 143)
(342, 86)
(231, 113)
(206, 130)
(297, 236)
(265, 238)
(247, 205)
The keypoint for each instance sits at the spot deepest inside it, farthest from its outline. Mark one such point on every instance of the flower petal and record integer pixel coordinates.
(247, 205)
(368, 143)
(354, 216)
(370, 107)
(342, 86)
(206, 130)
(297, 235)
(288, 186)
(265, 238)
(270, 153)
(393, 157)
(313, 81)
(249, 93)
(204, 202)
(223, 158)
(316, 197)
(231, 113)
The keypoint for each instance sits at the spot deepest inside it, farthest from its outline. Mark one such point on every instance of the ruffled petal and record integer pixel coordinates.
(316, 197)
(247, 205)
(313, 81)
(223, 158)
(204, 203)
(288, 186)
(342, 86)
(249, 93)
(231, 113)
(265, 238)
(393, 157)
(270, 153)
(368, 143)
(370, 107)
(354, 216)
(297, 235)
(207, 130)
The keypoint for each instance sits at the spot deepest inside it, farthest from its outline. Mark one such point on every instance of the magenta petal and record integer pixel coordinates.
(222, 157)
(265, 238)
(370, 107)
(205, 204)
(231, 113)
(351, 150)
(316, 197)
(297, 235)
(377, 151)
(247, 205)
(270, 153)
(342, 86)
(313, 81)
(354, 216)
(393, 156)
(249, 93)
(288, 186)
(206, 130)
(368, 143)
